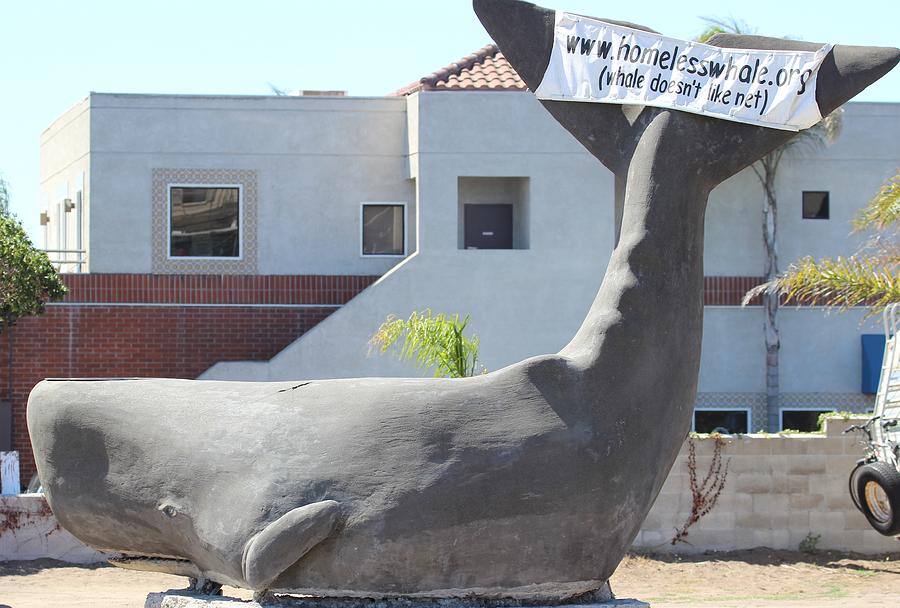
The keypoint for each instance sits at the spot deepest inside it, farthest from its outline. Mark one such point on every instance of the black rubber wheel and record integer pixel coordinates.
(878, 491)
(853, 484)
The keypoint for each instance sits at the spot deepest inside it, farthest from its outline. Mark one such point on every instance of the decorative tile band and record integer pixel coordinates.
(851, 402)
(842, 401)
(756, 403)
(247, 179)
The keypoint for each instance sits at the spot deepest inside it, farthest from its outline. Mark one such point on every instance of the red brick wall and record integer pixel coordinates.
(192, 322)
(728, 291)
(214, 289)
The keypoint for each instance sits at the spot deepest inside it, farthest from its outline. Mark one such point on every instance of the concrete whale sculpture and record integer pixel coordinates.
(528, 482)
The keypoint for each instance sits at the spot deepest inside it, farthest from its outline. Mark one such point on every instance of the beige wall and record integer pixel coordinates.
(778, 490)
(316, 161)
(852, 170)
(522, 302)
(65, 171)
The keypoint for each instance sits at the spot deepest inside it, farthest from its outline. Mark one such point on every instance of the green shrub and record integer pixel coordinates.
(843, 415)
(27, 278)
(810, 543)
(430, 341)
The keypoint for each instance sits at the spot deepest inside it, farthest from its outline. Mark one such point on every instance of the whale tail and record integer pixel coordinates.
(525, 34)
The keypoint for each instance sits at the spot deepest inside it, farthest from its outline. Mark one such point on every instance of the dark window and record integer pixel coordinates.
(815, 205)
(383, 230)
(721, 421)
(806, 421)
(205, 222)
(488, 226)
(5, 426)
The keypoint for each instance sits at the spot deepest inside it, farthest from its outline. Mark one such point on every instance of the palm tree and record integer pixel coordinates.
(431, 341)
(766, 170)
(719, 25)
(4, 197)
(869, 277)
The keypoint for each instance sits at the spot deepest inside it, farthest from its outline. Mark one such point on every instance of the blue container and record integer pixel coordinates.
(872, 356)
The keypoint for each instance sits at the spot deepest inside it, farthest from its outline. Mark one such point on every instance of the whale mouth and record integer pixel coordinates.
(151, 563)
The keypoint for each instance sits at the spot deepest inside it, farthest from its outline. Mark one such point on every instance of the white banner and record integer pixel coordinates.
(594, 61)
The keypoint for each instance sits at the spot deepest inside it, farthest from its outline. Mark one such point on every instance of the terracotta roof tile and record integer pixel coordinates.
(486, 69)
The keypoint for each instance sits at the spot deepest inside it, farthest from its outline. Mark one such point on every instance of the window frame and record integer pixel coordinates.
(362, 226)
(241, 222)
(827, 204)
(747, 412)
(781, 410)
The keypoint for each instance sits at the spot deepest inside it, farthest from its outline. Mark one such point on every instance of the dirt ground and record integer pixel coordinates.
(742, 579)
(761, 577)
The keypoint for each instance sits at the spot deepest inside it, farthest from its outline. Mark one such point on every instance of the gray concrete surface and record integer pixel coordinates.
(177, 600)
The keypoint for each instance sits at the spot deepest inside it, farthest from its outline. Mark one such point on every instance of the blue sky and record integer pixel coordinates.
(53, 53)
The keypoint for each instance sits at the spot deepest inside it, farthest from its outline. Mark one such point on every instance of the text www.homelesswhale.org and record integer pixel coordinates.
(600, 62)
(676, 60)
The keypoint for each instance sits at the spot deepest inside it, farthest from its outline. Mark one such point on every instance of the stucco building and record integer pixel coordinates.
(226, 237)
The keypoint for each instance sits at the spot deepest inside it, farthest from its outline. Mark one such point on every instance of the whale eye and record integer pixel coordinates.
(170, 510)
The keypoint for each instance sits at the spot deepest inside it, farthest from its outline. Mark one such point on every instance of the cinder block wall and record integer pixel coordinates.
(778, 490)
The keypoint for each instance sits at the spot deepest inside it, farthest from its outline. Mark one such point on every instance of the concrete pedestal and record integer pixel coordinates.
(176, 599)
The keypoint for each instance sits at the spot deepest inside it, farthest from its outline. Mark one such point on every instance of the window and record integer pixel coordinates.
(204, 221)
(804, 420)
(384, 229)
(5, 426)
(728, 422)
(815, 206)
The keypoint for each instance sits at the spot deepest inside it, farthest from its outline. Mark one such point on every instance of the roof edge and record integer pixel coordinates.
(429, 83)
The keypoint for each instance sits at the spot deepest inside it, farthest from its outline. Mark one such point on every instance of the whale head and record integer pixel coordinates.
(96, 475)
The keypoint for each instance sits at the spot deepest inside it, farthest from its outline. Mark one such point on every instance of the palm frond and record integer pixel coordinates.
(4, 197)
(709, 32)
(430, 341)
(819, 136)
(883, 210)
(840, 283)
(724, 25)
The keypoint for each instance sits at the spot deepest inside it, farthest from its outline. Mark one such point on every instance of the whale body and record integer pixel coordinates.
(413, 481)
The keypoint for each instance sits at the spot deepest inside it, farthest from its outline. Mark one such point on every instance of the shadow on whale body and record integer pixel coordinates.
(528, 482)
